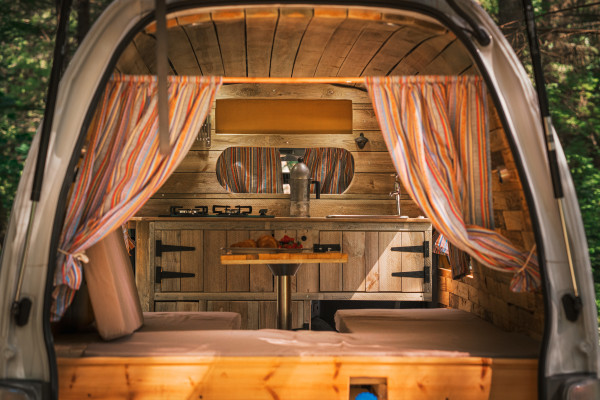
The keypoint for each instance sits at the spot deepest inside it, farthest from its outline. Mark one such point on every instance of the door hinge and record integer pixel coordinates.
(414, 274)
(414, 249)
(160, 275)
(166, 248)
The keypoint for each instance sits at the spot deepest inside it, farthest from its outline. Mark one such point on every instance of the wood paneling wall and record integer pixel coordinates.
(195, 183)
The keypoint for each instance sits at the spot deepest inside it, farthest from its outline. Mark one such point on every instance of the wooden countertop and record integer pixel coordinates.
(351, 218)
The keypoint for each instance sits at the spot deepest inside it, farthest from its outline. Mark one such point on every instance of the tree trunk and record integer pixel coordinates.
(83, 19)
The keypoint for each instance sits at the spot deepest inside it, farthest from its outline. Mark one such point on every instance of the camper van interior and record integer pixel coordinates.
(406, 306)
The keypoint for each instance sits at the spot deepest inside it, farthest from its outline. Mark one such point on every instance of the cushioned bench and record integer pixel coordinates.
(437, 330)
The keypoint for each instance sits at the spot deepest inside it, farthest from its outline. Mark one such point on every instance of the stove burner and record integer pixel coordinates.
(237, 211)
(218, 211)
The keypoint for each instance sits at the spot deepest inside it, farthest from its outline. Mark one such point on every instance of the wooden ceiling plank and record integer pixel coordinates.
(451, 61)
(371, 39)
(260, 29)
(471, 70)
(319, 31)
(420, 57)
(146, 45)
(131, 62)
(303, 90)
(181, 52)
(288, 34)
(205, 44)
(231, 34)
(194, 19)
(400, 43)
(338, 46)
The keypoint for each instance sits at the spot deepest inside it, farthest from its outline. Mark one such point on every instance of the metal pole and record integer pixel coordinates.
(284, 302)
(162, 67)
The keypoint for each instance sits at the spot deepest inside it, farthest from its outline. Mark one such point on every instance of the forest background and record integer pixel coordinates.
(569, 32)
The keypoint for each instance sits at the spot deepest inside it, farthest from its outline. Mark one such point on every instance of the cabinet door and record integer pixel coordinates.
(180, 261)
(215, 274)
(400, 261)
(353, 272)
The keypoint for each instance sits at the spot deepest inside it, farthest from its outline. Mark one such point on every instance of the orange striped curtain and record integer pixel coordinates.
(122, 166)
(250, 170)
(332, 167)
(435, 129)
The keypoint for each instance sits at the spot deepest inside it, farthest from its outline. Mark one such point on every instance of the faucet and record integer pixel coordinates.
(397, 192)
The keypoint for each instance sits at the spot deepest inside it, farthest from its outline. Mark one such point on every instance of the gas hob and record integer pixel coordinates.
(217, 211)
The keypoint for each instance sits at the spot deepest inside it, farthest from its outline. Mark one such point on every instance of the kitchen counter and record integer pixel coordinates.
(336, 218)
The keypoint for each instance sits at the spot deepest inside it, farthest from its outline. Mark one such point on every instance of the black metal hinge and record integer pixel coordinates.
(160, 275)
(165, 248)
(414, 274)
(414, 249)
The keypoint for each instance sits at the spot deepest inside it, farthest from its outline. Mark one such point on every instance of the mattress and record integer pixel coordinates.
(426, 333)
(442, 329)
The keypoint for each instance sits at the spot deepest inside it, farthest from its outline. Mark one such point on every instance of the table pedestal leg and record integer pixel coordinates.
(284, 301)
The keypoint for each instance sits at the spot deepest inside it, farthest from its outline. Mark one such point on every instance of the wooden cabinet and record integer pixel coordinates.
(178, 265)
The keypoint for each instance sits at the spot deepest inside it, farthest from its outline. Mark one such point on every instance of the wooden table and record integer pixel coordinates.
(283, 266)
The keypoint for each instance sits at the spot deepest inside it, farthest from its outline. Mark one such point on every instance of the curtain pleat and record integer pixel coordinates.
(250, 170)
(435, 129)
(332, 167)
(122, 166)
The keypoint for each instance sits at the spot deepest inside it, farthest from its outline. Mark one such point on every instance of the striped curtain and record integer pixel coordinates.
(250, 170)
(435, 129)
(122, 166)
(333, 167)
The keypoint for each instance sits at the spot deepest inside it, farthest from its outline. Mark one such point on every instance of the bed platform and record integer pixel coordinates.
(426, 353)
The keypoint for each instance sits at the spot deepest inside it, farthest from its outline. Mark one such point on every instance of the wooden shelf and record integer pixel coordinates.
(284, 258)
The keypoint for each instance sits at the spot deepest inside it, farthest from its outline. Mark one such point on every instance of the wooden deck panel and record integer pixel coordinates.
(294, 377)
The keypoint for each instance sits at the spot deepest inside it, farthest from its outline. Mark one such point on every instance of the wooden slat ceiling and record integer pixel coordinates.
(300, 42)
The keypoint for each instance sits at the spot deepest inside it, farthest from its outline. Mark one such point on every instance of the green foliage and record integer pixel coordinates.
(26, 31)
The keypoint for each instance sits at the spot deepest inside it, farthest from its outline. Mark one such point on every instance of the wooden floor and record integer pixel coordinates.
(204, 378)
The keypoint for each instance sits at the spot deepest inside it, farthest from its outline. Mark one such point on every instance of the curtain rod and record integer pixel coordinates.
(332, 80)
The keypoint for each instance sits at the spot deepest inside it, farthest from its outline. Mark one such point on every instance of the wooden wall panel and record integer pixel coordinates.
(195, 183)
